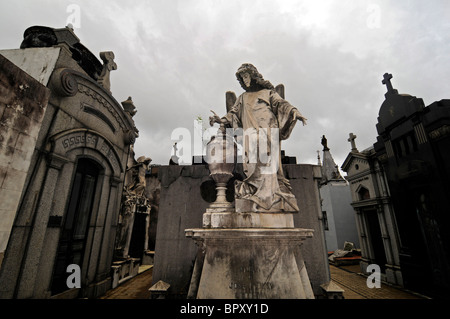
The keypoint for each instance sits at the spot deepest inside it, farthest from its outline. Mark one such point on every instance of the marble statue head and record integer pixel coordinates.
(257, 80)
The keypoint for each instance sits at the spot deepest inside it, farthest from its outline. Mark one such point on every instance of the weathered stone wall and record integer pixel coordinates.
(181, 207)
(23, 101)
(153, 191)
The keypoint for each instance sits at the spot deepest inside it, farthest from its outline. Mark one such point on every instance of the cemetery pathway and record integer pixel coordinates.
(355, 285)
(134, 288)
(346, 277)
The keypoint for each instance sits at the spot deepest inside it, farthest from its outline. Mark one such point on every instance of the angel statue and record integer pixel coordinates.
(265, 119)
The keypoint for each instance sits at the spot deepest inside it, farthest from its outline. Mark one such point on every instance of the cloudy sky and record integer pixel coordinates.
(177, 58)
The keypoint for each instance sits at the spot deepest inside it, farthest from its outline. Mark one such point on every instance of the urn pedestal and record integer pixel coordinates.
(250, 263)
(245, 255)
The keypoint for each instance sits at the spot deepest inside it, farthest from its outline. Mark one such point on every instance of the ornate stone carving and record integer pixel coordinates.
(221, 165)
(128, 106)
(96, 96)
(134, 199)
(129, 137)
(84, 138)
(108, 65)
(130, 109)
(40, 36)
(64, 82)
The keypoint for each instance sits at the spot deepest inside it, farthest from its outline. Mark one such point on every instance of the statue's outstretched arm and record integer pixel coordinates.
(220, 120)
(298, 116)
(214, 119)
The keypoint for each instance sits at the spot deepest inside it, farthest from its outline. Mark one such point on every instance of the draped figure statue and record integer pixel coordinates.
(265, 119)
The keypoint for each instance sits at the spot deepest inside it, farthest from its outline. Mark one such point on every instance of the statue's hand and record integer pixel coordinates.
(214, 119)
(298, 116)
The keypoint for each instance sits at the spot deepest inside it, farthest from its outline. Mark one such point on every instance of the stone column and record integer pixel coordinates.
(362, 231)
(29, 271)
(393, 269)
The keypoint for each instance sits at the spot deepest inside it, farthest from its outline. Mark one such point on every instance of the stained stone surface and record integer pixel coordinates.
(23, 101)
(252, 264)
(247, 220)
(78, 122)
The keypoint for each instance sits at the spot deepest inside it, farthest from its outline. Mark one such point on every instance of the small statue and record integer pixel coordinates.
(128, 106)
(325, 143)
(139, 170)
(108, 66)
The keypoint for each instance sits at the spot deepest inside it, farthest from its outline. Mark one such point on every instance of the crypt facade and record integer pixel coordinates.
(375, 219)
(413, 148)
(401, 195)
(70, 188)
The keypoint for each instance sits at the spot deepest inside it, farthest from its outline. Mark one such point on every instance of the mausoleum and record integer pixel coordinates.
(65, 144)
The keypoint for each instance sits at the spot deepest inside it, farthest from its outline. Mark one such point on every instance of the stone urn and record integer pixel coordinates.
(221, 154)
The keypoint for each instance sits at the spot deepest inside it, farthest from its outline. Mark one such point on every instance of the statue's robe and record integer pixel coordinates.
(266, 119)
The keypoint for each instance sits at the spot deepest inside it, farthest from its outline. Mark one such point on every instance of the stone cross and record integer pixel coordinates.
(387, 81)
(351, 139)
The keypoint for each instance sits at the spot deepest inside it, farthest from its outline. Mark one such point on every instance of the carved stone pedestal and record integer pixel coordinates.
(249, 263)
(231, 220)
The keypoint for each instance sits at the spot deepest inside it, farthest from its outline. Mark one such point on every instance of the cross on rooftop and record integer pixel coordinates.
(351, 139)
(387, 81)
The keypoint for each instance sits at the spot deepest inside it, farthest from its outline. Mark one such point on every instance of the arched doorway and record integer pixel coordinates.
(72, 240)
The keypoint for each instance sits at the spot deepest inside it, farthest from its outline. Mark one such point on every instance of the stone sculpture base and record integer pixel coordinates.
(249, 263)
(243, 205)
(230, 220)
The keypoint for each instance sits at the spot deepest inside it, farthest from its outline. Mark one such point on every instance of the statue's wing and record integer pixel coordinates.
(230, 99)
(280, 90)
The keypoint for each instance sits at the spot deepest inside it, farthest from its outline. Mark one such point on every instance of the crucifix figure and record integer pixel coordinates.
(351, 139)
(387, 81)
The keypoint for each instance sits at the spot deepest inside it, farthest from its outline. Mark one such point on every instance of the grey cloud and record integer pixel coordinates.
(178, 58)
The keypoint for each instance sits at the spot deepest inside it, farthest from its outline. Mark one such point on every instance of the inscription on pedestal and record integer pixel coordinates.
(252, 264)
